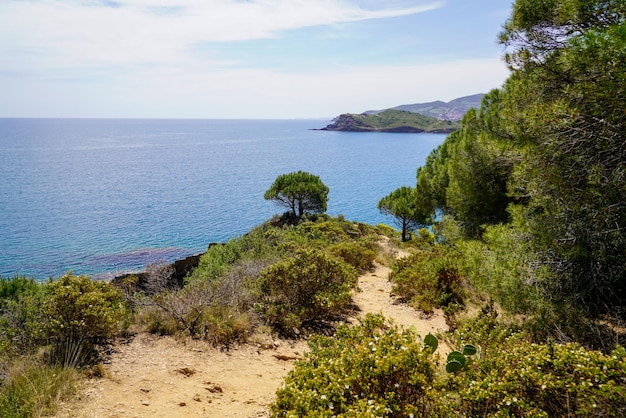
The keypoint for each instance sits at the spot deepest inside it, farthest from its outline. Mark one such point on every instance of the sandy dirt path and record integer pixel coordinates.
(152, 376)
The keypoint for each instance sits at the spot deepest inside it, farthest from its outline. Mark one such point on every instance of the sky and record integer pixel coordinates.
(279, 59)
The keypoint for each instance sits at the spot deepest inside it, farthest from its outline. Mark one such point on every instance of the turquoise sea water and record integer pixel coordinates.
(103, 196)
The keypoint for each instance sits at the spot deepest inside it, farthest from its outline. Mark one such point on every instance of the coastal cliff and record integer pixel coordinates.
(396, 121)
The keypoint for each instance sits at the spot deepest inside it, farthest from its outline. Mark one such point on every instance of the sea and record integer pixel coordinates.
(101, 197)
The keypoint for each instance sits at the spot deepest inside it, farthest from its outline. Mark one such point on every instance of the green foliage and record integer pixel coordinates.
(300, 192)
(354, 253)
(80, 314)
(431, 342)
(17, 287)
(535, 177)
(429, 279)
(526, 379)
(309, 286)
(467, 175)
(374, 369)
(501, 266)
(409, 209)
(458, 360)
(31, 389)
(515, 377)
(198, 309)
(20, 315)
(567, 103)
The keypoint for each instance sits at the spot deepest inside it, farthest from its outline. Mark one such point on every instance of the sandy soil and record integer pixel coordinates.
(153, 376)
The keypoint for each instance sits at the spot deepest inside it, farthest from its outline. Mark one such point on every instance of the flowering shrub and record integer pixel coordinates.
(545, 380)
(370, 370)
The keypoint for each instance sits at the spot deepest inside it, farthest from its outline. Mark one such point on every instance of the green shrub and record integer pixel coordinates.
(17, 287)
(486, 330)
(217, 260)
(355, 254)
(225, 325)
(501, 267)
(527, 379)
(31, 389)
(20, 315)
(429, 279)
(80, 315)
(374, 369)
(515, 377)
(310, 286)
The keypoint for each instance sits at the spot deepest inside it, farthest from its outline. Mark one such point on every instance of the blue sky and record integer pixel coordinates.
(243, 58)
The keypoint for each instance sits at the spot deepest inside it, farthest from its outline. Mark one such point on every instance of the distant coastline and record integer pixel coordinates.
(392, 121)
(431, 117)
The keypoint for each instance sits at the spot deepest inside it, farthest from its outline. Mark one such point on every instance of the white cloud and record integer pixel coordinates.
(91, 32)
(140, 58)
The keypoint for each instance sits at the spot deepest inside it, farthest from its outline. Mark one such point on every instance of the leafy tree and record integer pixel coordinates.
(405, 205)
(300, 192)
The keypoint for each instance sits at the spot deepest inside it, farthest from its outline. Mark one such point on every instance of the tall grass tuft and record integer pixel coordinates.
(33, 389)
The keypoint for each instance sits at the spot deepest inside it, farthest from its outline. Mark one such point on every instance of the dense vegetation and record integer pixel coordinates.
(529, 201)
(531, 188)
(376, 369)
(47, 330)
(285, 278)
(529, 195)
(392, 121)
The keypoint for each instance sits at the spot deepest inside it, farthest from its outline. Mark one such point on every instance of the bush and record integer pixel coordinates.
(80, 315)
(355, 254)
(546, 380)
(500, 267)
(310, 286)
(428, 280)
(218, 310)
(20, 315)
(370, 370)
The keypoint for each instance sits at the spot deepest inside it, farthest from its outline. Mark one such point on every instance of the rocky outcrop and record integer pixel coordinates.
(347, 123)
(390, 121)
(173, 274)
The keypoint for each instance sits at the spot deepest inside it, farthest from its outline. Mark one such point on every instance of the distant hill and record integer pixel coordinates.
(452, 110)
(391, 120)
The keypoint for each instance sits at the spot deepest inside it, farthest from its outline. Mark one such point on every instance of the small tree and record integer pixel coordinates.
(404, 205)
(300, 192)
